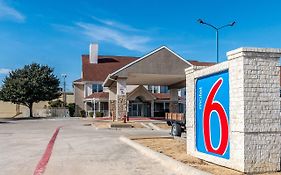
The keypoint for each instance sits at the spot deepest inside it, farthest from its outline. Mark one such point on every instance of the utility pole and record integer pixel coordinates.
(64, 93)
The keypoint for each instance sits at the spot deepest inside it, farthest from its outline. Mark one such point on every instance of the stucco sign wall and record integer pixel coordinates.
(212, 115)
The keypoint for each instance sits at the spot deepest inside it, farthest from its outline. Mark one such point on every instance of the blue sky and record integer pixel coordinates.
(58, 32)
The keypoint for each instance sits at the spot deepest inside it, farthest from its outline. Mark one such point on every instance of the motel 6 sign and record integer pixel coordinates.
(212, 115)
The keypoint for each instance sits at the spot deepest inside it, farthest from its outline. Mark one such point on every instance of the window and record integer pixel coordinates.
(97, 88)
(153, 89)
(163, 89)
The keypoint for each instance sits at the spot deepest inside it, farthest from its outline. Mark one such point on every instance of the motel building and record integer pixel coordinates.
(148, 86)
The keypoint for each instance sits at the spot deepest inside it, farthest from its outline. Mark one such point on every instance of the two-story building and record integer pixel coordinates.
(151, 85)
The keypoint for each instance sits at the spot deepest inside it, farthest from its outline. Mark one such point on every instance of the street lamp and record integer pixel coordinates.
(217, 32)
(64, 95)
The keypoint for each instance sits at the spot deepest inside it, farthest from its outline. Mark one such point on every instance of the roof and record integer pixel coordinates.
(78, 80)
(105, 66)
(199, 63)
(109, 79)
(98, 95)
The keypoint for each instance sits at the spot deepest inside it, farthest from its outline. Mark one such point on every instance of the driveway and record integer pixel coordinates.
(78, 149)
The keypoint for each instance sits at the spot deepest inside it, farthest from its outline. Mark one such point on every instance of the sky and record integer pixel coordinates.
(57, 33)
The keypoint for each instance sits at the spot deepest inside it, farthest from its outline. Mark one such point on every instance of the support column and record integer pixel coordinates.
(112, 102)
(152, 109)
(94, 116)
(121, 98)
(174, 101)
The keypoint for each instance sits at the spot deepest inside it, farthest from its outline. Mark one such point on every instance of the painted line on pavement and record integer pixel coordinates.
(42, 164)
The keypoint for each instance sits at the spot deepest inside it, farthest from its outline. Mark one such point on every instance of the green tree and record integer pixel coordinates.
(31, 84)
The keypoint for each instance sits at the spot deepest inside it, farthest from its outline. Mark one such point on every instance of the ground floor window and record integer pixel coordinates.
(99, 108)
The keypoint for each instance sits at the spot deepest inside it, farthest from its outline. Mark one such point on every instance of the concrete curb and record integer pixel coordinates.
(178, 167)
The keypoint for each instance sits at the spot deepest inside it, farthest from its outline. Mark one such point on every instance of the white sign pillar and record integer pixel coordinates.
(254, 123)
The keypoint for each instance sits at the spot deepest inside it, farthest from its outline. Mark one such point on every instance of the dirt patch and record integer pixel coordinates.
(177, 149)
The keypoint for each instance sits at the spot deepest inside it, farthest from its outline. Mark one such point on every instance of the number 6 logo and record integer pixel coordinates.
(215, 106)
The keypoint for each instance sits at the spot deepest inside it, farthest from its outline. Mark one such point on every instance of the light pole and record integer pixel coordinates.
(64, 95)
(217, 33)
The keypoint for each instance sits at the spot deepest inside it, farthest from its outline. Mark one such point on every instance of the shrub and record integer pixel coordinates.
(99, 114)
(71, 108)
(91, 114)
(82, 113)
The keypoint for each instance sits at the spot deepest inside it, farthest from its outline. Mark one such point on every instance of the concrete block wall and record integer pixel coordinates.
(261, 107)
(254, 109)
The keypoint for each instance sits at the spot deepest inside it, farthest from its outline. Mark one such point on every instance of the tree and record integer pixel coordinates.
(56, 103)
(31, 84)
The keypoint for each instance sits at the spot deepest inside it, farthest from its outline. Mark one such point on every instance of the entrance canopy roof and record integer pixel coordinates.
(160, 67)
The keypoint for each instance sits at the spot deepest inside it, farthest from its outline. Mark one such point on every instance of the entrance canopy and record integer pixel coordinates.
(160, 67)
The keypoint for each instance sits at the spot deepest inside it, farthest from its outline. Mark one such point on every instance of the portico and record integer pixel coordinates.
(161, 67)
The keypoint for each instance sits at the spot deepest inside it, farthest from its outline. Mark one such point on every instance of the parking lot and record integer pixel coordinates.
(78, 149)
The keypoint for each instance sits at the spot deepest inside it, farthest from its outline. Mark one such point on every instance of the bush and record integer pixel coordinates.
(82, 113)
(91, 114)
(99, 114)
(71, 108)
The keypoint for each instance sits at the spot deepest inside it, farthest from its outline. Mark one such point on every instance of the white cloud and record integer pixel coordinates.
(115, 33)
(9, 12)
(4, 71)
(116, 24)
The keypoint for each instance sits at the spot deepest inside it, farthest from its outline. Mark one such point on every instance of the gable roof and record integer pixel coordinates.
(142, 66)
(105, 66)
(140, 90)
(147, 55)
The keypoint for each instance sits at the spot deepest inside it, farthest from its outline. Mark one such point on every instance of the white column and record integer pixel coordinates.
(94, 116)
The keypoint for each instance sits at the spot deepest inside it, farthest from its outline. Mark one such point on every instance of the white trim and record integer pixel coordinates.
(143, 57)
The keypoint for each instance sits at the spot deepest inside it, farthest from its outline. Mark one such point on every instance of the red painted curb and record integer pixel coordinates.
(41, 166)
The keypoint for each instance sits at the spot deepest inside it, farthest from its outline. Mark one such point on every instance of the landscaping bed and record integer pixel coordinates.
(119, 124)
(176, 148)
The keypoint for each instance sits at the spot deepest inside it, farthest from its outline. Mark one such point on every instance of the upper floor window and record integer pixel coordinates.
(158, 89)
(97, 88)
(153, 89)
(163, 89)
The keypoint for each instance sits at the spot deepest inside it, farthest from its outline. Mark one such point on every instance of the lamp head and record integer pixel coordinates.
(232, 24)
(200, 21)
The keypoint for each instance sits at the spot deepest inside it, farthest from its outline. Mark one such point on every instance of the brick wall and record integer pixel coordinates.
(254, 109)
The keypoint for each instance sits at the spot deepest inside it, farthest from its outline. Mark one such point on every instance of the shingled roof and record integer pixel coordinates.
(105, 66)
(109, 64)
